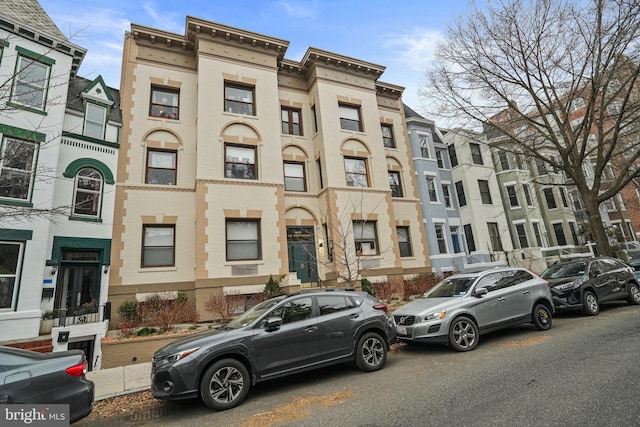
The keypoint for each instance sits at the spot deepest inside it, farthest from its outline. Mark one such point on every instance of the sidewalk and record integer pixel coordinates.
(120, 380)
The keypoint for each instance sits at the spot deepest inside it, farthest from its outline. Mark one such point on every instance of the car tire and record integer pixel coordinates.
(590, 305)
(463, 334)
(634, 294)
(371, 352)
(542, 317)
(224, 384)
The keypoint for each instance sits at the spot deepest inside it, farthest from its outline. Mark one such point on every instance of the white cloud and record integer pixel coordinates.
(296, 10)
(414, 49)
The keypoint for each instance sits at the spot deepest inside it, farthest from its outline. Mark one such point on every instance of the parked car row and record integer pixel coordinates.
(299, 332)
(29, 377)
(462, 307)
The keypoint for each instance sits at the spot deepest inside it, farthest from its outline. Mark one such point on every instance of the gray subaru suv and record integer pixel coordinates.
(280, 336)
(463, 306)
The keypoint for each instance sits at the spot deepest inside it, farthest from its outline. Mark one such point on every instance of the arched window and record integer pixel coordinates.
(87, 199)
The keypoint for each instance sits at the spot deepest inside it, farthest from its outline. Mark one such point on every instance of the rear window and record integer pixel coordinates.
(571, 269)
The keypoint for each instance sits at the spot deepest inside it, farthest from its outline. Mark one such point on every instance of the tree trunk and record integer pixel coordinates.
(598, 231)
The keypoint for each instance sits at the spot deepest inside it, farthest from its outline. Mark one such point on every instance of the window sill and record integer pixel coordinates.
(84, 219)
(226, 113)
(27, 108)
(158, 118)
(157, 269)
(14, 202)
(229, 263)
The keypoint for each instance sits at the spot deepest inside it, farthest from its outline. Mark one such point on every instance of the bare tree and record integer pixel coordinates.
(30, 86)
(558, 79)
(353, 237)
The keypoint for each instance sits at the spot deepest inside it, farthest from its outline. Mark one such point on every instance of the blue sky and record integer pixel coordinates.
(400, 36)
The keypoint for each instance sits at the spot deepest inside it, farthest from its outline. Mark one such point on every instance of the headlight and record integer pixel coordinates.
(435, 315)
(571, 285)
(172, 358)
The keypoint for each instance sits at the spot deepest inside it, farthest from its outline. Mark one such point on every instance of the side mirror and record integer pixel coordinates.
(480, 292)
(273, 324)
(594, 273)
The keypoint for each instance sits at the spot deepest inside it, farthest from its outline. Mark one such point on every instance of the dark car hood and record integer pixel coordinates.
(196, 340)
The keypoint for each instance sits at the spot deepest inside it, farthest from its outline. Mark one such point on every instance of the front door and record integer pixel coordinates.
(77, 291)
(302, 253)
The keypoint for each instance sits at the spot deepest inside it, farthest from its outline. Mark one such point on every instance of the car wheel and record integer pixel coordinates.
(224, 384)
(634, 294)
(371, 353)
(590, 305)
(463, 334)
(541, 317)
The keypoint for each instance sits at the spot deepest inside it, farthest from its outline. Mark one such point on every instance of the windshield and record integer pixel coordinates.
(571, 269)
(451, 287)
(252, 314)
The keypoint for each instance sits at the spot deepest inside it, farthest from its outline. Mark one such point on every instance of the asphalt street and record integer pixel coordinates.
(582, 372)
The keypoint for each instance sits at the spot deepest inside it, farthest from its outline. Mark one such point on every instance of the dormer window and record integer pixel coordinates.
(94, 120)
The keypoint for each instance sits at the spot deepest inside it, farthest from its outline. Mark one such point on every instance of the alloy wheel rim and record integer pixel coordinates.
(226, 384)
(464, 334)
(635, 293)
(372, 352)
(593, 304)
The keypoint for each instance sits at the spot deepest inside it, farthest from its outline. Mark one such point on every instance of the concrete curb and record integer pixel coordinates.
(121, 380)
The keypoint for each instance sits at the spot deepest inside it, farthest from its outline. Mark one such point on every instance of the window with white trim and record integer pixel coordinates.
(446, 191)
(94, 120)
(11, 254)
(521, 232)
(356, 172)
(165, 103)
(243, 239)
(158, 245)
(294, 177)
(513, 196)
(387, 136)
(350, 117)
(404, 241)
(365, 237)
(161, 167)
(240, 162)
(239, 99)
(431, 189)
(395, 184)
(30, 83)
(476, 154)
(17, 168)
(441, 238)
(87, 200)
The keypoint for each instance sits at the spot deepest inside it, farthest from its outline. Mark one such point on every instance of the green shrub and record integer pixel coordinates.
(143, 332)
(128, 310)
(366, 286)
(272, 288)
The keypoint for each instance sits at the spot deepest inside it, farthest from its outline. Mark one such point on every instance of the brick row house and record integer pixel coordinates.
(237, 164)
(59, 148)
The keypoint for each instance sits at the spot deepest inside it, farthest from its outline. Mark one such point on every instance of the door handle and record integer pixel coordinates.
(311, 329)
(501, 299)
(354, 316)
(525, 291)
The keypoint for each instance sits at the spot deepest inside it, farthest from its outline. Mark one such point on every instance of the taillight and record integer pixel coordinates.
(382, 307)
(77, 370)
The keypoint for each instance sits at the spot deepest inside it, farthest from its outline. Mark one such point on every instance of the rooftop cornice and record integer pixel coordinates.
(46, 39)
(389, 89)
(329, 58)
(155, 36)
(196, 26)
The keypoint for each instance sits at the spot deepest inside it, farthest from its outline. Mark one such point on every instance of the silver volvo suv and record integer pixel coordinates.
(463, 306)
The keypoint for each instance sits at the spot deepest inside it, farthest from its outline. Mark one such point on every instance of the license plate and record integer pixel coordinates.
(401, 330)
